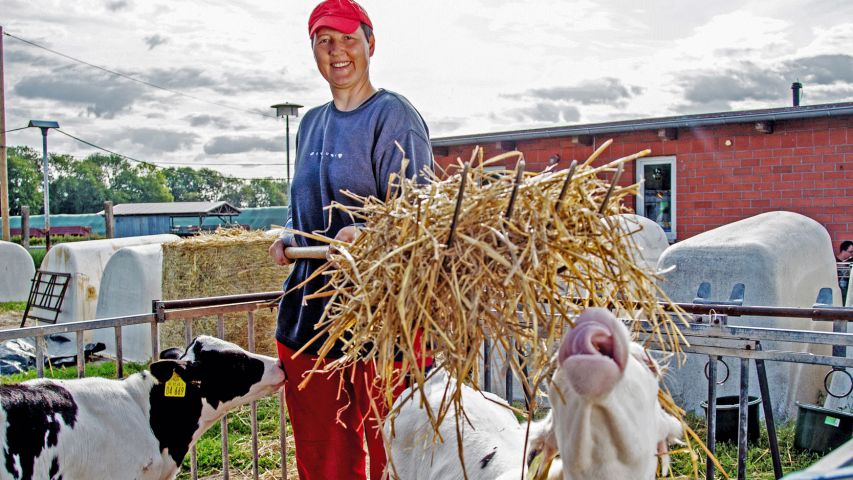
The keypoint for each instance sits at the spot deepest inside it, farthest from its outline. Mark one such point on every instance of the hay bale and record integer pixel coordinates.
(225, 262)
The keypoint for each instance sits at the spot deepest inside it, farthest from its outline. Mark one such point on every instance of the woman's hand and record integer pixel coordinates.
(277, 251)
(347, 234)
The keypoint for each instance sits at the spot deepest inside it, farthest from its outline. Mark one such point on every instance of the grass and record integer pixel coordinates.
(759, 462)
(103, 370)
(759, 465)
(9, 306)
(38, 255)
(209, 450)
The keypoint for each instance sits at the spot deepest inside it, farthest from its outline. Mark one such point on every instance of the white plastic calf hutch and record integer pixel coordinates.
(783, 259)
(647, 235)
(85, 261)
(132, 279)
(16, 272)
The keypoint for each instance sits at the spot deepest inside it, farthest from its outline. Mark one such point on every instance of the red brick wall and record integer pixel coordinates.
(804, 166)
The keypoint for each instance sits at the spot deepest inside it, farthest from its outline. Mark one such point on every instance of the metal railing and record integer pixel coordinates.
(190, 309)
(164, 311)
(708, 334)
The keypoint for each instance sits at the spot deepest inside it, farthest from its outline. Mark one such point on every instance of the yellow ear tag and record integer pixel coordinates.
(175, 387)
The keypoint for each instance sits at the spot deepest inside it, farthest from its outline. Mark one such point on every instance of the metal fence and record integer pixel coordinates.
(708, 334)
(164, 311)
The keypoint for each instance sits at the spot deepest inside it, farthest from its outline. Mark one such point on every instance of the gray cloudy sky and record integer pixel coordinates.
(470, 67)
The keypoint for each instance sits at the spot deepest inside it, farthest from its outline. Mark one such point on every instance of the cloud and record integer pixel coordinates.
(154, 41)
(205, 120)
(226, 145)
(548, 112)
(822, 69)
(239, 83)
(445, 126)
(180, 78)
(16, 55)
(749, 81)
(559, 104)
(159, 140)
(117, 5)
(607, 91)
(104, 96)
(818, 95)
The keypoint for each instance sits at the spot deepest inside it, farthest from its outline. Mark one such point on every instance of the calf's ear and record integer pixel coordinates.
(173, 353)
(164, 369)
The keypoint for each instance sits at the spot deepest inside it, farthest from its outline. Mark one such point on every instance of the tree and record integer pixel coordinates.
(140, 184)
(203, 185)
(25, 179)
(268, 192)
(79, 190)
(82, 186)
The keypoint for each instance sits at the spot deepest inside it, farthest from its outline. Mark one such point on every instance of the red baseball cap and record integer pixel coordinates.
(342, 15)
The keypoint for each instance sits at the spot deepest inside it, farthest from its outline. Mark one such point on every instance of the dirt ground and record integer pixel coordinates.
(11, 319)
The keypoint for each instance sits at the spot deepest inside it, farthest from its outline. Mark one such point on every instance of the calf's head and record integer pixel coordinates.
(224, 374)
(197, 386)
(606, 416)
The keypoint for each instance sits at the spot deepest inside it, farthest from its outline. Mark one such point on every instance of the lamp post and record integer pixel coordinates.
(45, 126)
(286, 110)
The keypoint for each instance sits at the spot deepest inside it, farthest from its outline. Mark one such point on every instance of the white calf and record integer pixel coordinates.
(493, 443)
(137, 428)
(607, 420)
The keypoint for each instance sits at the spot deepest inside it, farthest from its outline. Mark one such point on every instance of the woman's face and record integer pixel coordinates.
(343, 58)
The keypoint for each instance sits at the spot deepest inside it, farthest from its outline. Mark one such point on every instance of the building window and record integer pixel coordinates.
(494, 172)
(657, 192)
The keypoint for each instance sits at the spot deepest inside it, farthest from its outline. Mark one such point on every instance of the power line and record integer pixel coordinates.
(139, 81)
(149, 163)
(104, 149)
(229, 164)
(15, 129)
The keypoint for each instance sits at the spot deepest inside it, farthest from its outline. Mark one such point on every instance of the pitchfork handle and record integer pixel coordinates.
(306, 252)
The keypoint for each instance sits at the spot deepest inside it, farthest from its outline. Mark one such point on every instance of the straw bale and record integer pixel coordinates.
(225, 262)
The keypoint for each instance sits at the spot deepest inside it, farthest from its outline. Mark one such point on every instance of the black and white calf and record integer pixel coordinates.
(137, 428)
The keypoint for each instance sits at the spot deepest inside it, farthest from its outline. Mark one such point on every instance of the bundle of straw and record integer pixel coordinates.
(510, 257)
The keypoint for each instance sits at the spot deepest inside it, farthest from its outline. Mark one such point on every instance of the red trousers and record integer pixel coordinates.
(331, 417)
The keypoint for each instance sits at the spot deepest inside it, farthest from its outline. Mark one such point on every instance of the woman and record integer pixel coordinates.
(348, 144)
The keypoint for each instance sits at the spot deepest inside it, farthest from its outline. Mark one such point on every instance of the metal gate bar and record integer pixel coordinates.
(707, 339)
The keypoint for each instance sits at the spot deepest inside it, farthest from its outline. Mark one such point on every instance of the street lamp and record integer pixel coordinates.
(45, 126)
(286, 110)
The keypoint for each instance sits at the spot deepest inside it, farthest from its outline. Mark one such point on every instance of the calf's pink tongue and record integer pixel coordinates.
(594, 353)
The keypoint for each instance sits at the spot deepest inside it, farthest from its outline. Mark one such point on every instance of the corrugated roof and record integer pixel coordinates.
(772, 114)
(185, 209)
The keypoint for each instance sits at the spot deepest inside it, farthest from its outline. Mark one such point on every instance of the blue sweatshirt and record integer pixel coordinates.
(336, 152)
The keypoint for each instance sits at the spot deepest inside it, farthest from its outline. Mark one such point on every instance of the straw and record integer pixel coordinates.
(516, 276)
(228, 261)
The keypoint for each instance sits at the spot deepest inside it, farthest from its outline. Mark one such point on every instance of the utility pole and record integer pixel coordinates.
(4, 174)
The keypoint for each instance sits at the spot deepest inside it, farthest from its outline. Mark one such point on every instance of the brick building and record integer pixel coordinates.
(706, 170)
